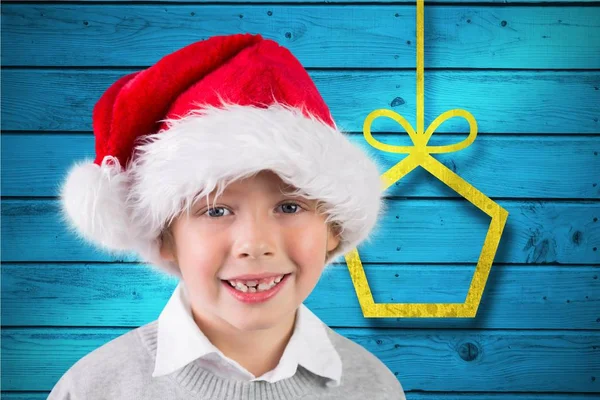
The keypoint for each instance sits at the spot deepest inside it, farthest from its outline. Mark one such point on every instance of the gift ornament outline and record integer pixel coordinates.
(420, 155)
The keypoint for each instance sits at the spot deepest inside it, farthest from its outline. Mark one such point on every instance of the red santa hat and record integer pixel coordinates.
(214, 111)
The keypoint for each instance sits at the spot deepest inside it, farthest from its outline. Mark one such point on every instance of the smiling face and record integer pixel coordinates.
(253, 228)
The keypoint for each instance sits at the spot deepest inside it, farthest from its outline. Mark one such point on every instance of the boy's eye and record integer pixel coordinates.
(219, 211)
(290, 204)
(219, 214)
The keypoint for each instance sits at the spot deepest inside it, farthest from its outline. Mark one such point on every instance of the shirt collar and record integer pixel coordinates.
(180, 341)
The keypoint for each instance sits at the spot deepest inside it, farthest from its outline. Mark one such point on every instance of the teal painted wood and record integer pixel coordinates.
(521, 102)
(412, 231)
(432, 360)
(411, 396)
(126, 295)
(427, 2)
(531, 166)
(329, 35)
(44, 107)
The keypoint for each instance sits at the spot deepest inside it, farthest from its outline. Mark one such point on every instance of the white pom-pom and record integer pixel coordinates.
(93, 200)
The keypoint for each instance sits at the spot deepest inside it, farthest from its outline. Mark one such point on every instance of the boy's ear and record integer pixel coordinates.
(333, 238)
(166, 255)
(166, 251)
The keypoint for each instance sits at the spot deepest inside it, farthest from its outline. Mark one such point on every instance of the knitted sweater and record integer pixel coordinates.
(122, 370)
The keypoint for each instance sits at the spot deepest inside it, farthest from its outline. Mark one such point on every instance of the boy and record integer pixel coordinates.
(245, 191)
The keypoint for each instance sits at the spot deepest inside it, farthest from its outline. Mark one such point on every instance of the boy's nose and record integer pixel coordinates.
(255, 237)
(255, 251)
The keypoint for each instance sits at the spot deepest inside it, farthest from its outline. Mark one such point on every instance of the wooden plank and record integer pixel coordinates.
(435, 360)
(554, 102)
(117, 295)
(332, 1)
(413, 396)
(36, 164)
(561, 232)
(456, 36)
(500, 396)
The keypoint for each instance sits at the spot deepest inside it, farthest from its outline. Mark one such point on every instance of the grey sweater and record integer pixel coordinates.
(122, 370)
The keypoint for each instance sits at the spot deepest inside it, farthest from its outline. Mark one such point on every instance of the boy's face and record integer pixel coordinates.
(252, 229)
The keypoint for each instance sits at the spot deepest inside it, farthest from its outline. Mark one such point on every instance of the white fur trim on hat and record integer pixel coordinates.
(208, 148)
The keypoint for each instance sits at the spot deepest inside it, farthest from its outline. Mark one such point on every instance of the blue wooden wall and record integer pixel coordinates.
(528, 72)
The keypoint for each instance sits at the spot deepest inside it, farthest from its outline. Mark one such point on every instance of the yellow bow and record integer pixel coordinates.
(419, 152)
(419, 139)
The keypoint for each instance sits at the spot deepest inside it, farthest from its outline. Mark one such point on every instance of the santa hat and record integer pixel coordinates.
(217, 110)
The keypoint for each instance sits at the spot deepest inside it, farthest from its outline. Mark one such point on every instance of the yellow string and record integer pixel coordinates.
(419, 137)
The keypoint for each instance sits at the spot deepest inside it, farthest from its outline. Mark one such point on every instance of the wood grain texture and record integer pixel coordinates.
(413, 396)
(34, 165)
(537, 232)
(528, 72)
(128, 295)
(366, 36)
(293, 2)
(446, 360)
(503, 102)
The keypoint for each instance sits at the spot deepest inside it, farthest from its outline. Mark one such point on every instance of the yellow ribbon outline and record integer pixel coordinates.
(420, 155)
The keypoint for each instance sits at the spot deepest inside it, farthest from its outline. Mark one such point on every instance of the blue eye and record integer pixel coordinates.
(291, 204)
(213, 209)
(215, 212)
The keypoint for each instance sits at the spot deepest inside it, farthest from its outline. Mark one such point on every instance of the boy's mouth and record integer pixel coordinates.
(256, 285)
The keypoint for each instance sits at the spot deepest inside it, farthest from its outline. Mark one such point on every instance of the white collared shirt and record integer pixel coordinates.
(180, 341)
